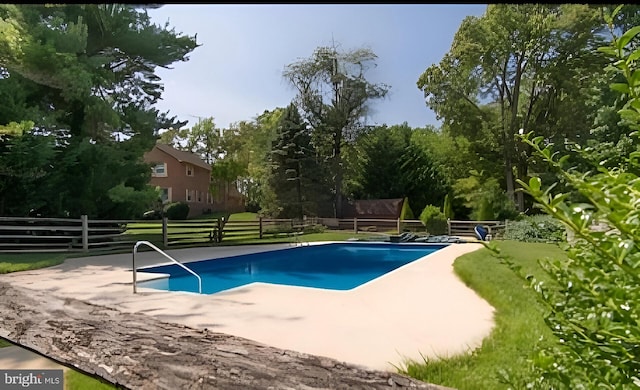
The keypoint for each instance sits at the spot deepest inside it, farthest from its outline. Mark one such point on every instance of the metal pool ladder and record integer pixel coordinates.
(150, 245)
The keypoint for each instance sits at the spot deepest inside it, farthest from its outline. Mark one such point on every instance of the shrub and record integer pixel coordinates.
(130, 202)
(434, 220)
(484, 196)
(406, 212)
(535, 228)
(314, 229)
(595, 313)
(177, 210)
(447, 209)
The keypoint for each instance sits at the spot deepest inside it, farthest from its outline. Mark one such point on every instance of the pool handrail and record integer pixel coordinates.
(150, 245)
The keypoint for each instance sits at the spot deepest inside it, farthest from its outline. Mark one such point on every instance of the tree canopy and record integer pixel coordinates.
(333, 92)
(518, 67)
(84, 76)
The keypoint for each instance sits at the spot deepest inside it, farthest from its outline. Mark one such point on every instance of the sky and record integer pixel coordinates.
(237, 72)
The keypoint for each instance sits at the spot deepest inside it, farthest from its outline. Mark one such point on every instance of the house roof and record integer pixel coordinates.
(183, 156)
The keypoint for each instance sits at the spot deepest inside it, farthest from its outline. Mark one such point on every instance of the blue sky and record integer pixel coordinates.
(236, 73)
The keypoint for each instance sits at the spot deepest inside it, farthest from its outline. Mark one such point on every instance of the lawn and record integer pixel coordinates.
(75, 380)
(503, 355)
(14, 262)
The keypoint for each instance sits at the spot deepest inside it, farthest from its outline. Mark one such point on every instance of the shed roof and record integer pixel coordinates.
(372, 208)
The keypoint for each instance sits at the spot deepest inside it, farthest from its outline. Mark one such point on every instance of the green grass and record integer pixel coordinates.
(75, 380)
(519, 321)
(10, 262)
(237, 217)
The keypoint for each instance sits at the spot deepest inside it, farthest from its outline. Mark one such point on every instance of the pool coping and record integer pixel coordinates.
(376, 325)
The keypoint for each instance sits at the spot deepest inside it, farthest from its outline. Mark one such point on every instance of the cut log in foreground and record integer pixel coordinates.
(136, 351)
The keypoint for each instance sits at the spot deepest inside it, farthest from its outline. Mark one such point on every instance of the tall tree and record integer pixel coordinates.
(295, 172)
(258, 136)
(203, 139)
(516, 67)
(84, 73)
(25, 162)
(333, 93)
(385, 163)
(612, 139)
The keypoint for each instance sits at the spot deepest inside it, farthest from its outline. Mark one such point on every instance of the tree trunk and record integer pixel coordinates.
(338, 202)
(337, 166)
(508, 174)
(136, 351)
(299, 190)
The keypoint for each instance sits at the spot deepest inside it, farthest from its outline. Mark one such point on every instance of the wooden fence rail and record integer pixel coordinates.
(466, 228)
(19, 234)
(82, 235)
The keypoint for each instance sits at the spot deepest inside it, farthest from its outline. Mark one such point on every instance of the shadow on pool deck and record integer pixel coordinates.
(419, 309)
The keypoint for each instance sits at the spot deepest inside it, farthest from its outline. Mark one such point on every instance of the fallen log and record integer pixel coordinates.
(137, 351)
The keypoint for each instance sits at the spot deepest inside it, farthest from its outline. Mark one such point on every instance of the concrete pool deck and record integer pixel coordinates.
(420, 309)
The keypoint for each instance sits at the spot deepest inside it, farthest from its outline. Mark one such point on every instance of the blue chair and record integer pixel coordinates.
(481, 232)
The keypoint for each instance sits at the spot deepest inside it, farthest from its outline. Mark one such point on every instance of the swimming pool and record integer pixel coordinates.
(335, 266)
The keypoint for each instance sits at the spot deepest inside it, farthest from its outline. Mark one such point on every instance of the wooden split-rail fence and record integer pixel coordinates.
(84, 235)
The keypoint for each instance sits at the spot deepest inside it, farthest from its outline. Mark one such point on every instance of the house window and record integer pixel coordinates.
(159, 170)
(189, 170)
(199, 195)
(165, 195)
(189, 195)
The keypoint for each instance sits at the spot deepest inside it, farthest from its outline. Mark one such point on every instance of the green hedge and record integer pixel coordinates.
(535, 228)
(177, 211)
(434, 220)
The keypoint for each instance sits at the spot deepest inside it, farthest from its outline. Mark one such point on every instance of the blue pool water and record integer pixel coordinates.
(336, 266)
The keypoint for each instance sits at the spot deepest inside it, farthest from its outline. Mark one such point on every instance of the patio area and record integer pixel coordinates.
(421, 309)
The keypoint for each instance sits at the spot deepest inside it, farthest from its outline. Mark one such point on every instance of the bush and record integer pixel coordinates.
(314, 229)
(406, 212)
(177, 210)
(434, 220)
(484, 196)
(595, 313)
(535, 228)
(447, 209)
(130, 202)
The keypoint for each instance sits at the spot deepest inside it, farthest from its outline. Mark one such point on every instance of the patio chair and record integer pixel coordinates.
(481, 232)
(402, 237)
(408, 237)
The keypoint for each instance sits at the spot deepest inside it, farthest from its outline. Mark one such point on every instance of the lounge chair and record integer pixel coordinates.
(481, 232)
(402, 237)
(441, 239)
(408, 237)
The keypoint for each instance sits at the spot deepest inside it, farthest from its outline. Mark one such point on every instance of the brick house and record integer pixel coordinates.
(182, 177)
